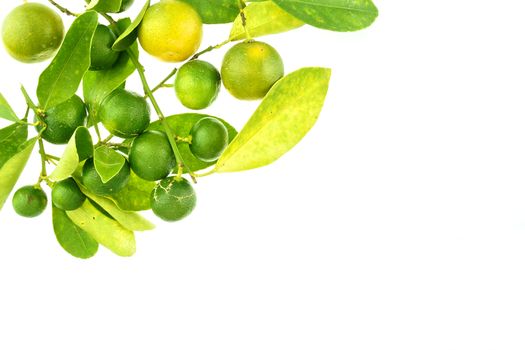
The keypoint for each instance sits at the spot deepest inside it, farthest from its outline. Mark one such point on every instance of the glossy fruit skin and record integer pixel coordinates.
(171, 31)
(250, 69)
(124, 114)
(173, 199)
(126, 4)
(29, 201)
(32, 32)
(209, 138)
(151, 156)
(197, 84)
(66, 195)
(94, 183)
(63, 120)
(102, 55)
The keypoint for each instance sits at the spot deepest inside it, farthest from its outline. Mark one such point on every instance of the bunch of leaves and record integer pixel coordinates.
(283, 118)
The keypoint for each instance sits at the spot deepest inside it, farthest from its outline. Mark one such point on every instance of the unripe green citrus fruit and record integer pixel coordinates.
(63, 120)
(125, 114)
(209, 138)
(171, 31)
(151, 156)
(197, 84)
(250, 69)
(66, 195)
(173, 199)
(32, 32)
(29, 201)
(94, 183)
(102, 55)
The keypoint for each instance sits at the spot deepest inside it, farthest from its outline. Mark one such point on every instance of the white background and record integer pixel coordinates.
(398, 223)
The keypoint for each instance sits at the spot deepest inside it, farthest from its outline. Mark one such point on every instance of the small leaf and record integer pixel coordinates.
(104, 230)
(216, 11)
(61, 79)
(79, 148)
(6, 112)
(128, 219)
(108, 162)
(72, 238)
(11, 170)
(128, 37)
(105, 6)
(181, 125)
(284, 117)
(263, 18)
(136, 195)
(99, 84)
(336, 15)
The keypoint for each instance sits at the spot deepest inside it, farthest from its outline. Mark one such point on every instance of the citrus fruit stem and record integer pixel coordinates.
(63, 9)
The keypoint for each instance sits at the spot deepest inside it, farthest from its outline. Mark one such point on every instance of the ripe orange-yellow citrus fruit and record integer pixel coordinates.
(171, 31)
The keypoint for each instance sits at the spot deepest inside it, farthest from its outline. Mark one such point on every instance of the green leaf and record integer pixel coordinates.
(6, 112)
(263, 18)
(105, 6)
(181, 125)
(61, 79)
(72, 238)
(284, 117)
(128, 219)
(336, 15)
(104, 230)
(99, 84)
(11, 138)
(79, 148)
(128, 37)
(136, 195)
(216, 11)
(108, 162)
(11, 170)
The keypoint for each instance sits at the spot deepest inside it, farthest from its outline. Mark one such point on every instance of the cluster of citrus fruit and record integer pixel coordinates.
(141, 157)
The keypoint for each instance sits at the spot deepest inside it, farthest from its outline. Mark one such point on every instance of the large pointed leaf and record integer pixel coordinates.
(61, 79)
(6, 112)
(72, 238)
(108, 162)
(216, 11)
(11, 170)
(336, 15)
(79, 148)
(128, 219)
(284, 117)
(263, 18)
(104, 230)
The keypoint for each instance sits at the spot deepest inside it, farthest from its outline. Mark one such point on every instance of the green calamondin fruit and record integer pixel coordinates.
(173, 199)
(66, 195)
(32, 32)
(250, 69)
(197, 84)
(151, 156)
(102, 55)
(209, 138)
(29, 201)
(125, 114)
(62, 121)
(94, 183)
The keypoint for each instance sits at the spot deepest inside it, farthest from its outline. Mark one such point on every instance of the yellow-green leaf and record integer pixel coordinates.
(11, 170)
(72, 238)
(128, 219)
(104, 230)
(6, 112)
(128, 37)
(263, 18)
(284, 117)
(135, 196)
(79, 148)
